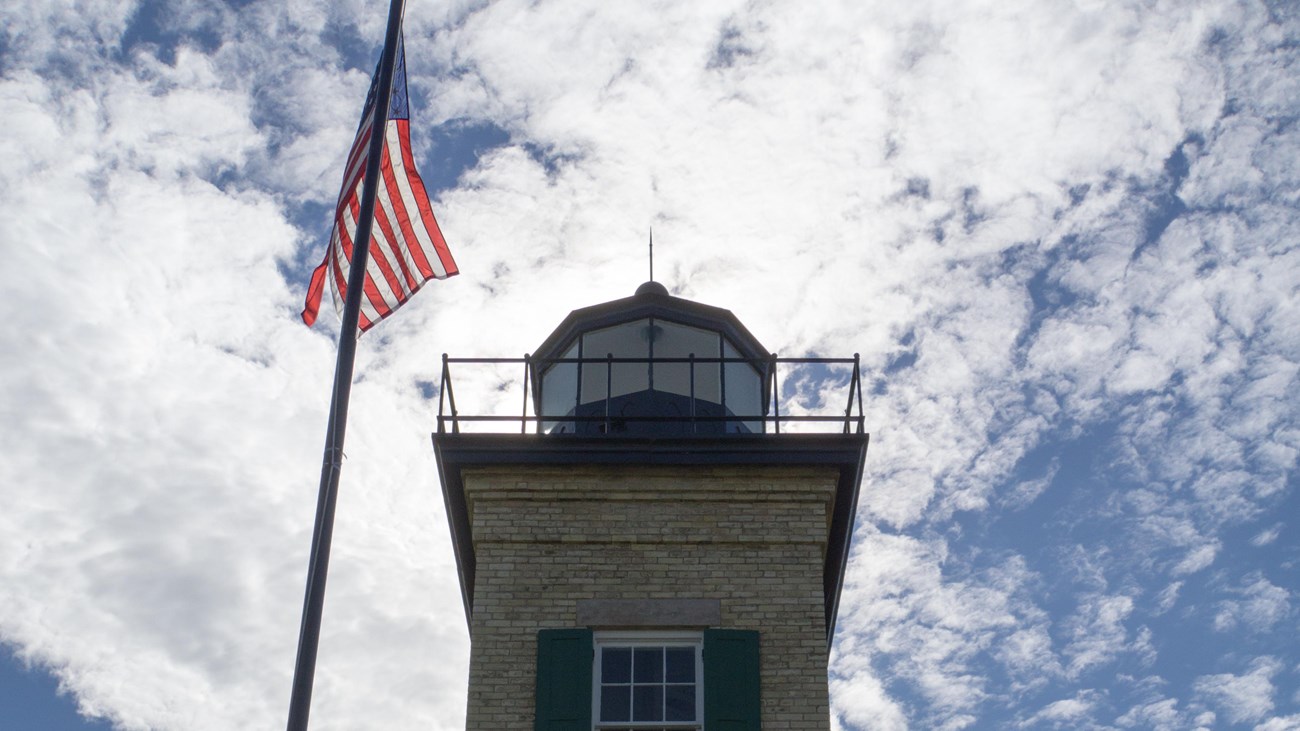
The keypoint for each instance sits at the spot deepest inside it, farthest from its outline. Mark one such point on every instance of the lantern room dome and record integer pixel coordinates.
(651, 365)
(652, 287)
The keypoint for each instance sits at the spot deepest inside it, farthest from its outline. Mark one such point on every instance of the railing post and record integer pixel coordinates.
(523, 415)
(694, 424)
(722, 384)
(776, 395)
(650, 362)
(442, 392)
(451, 396)
(577, 389)
(857, 381)
(848, 407)
(609, 386)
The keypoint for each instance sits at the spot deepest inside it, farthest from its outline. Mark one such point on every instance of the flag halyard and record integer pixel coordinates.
(406, 245)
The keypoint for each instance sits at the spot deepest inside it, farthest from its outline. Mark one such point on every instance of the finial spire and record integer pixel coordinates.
(652, 253)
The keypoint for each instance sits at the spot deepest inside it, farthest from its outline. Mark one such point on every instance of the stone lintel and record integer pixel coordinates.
(650, 612)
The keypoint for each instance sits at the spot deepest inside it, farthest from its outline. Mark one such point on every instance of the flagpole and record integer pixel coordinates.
(332, 462)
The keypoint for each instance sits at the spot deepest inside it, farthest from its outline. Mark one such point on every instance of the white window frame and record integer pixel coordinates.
(648, 639)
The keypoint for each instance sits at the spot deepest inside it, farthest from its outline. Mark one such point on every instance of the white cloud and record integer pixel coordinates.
(1167, 597)
(1288, 723)
(1097, 632)
(73, 33)
(918, 626)
(1159, 715)
(864, 703)
(1028, 490)
(1199, 558)
(168, 120)
(1261, 605)
(1072, 713)
(1266, 536)
(1242, 698)
(1028, 656)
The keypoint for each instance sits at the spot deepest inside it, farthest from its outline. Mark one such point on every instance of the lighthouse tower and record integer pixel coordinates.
(654, 546)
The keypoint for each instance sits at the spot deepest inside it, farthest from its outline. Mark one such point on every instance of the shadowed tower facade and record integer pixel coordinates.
(655, 546)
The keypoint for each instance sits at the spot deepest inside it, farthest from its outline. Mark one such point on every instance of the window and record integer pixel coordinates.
(647, 682)
(573, 686)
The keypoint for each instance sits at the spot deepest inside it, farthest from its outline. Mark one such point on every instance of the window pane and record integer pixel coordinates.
(744, 392)
(648, 665)
(680, 703)
(629, 340)
(679, 341)
(616, 665)
(647, 703)
(615, 703)
(560, 391)
(681, 664)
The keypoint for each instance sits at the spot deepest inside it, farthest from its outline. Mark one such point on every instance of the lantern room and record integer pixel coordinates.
(651, 365)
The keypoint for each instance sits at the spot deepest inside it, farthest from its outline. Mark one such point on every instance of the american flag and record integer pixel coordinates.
(406, 246)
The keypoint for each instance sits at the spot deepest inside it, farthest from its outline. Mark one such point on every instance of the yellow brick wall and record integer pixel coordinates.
(545, 538)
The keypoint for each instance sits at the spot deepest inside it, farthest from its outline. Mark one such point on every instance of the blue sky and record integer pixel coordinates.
(1062, 235)
(30, 700)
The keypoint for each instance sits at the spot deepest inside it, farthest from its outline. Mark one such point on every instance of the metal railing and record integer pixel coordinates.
(849, 421)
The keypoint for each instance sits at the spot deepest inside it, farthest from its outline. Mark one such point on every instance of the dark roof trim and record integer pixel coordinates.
(650, 303)
(847, 452)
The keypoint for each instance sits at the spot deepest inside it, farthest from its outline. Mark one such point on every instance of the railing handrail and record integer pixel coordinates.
(648, 359)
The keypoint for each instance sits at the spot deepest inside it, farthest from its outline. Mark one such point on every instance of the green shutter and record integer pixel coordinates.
(731, 680)
(564, 680)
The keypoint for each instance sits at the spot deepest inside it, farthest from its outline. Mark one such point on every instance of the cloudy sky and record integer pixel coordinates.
(1061, 233)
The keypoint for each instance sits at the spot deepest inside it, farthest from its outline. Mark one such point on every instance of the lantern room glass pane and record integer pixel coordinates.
(680, 341)
(560, 392)
(744, 391)
(629, 340)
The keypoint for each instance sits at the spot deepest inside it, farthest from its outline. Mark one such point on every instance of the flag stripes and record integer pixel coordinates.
(406, 246)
